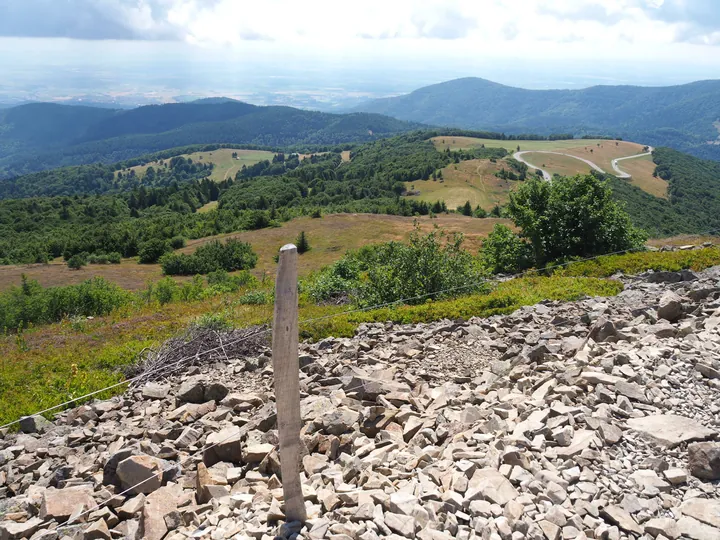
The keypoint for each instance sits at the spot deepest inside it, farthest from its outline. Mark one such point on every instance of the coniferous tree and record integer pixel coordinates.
(302, 243)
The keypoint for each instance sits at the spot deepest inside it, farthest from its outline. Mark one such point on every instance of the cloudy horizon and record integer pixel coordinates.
(406, 43)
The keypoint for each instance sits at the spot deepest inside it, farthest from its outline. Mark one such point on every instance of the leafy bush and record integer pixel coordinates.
(571, 217)
(427, 268)
(165, 290)
(503, 251)
(223, 282)
(33, 303)
(114, 257)
(336, 281)
(76, 262)
(430, 266)
(151, 251)
(213, 321)
(213, 256)
(177, 242)
(256, 298)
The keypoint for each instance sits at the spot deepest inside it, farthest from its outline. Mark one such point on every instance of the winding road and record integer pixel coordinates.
(548, 177)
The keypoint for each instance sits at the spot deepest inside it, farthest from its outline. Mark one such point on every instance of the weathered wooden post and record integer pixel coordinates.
(287, 381)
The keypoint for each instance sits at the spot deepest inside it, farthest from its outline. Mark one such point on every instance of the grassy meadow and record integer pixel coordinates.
(472, 180)
(225, 165)
(330, 237)
(599, 151)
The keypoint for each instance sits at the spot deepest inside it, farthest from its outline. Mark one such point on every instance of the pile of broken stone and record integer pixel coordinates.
(593, 419)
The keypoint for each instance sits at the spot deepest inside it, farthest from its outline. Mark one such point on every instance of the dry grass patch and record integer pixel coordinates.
(129, 274)
(332, 235)
(642, 170)
(467, 143)
(557, 164)
(472, 180)
(225, 164)
(603, 152)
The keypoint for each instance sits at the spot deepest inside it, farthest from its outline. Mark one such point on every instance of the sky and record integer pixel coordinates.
(374, 46)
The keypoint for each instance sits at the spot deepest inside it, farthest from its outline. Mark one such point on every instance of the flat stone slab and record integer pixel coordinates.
(669, 430)
(704, 510)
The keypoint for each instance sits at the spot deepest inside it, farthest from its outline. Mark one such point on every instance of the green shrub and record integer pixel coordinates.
(77, 261)
(193, 290)
(255, 298)
(33, 303)
(334, 282)
(430, 266)
(210, 257)
(503, 251)
(165, 290)
(151, 251)
(114, 257)
(221, 281)
(177, 242)
(213, 321)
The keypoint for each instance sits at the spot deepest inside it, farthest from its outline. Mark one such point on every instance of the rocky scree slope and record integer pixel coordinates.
(596, 419)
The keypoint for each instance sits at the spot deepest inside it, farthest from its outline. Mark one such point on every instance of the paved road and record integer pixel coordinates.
(621, 173)
(548, 177)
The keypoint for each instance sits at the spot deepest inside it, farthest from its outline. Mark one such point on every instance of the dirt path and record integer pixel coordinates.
(548, 177)
(228, 172)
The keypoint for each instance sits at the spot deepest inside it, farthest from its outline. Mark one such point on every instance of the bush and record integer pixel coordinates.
(177, 242)
(503, 251)
(213, 256)
(571, 217)
(429, 267)
(255, 298)
(223, 282)
(335, 282)
(316, 214)
(33, 303)
(302, 244)
(213, 321)
(151, 251)
(165, 290)
(114, 257)
(76, 262)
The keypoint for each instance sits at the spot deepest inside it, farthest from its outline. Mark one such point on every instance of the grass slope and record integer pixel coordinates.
(472, 180)
(329, 236)
(225, 164)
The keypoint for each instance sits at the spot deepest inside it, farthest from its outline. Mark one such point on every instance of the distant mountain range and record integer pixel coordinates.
(684, 117)
(39, 136)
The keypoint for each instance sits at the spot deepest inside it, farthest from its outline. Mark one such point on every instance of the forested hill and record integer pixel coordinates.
(694, 196)
(682, 117)
(41, 136)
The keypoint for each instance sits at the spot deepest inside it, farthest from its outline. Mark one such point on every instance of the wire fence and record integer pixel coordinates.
(166, 370)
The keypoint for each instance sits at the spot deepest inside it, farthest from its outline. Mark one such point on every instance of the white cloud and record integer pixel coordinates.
(623, 29)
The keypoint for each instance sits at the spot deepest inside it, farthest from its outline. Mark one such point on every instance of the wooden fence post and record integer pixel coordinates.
(286, 370)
